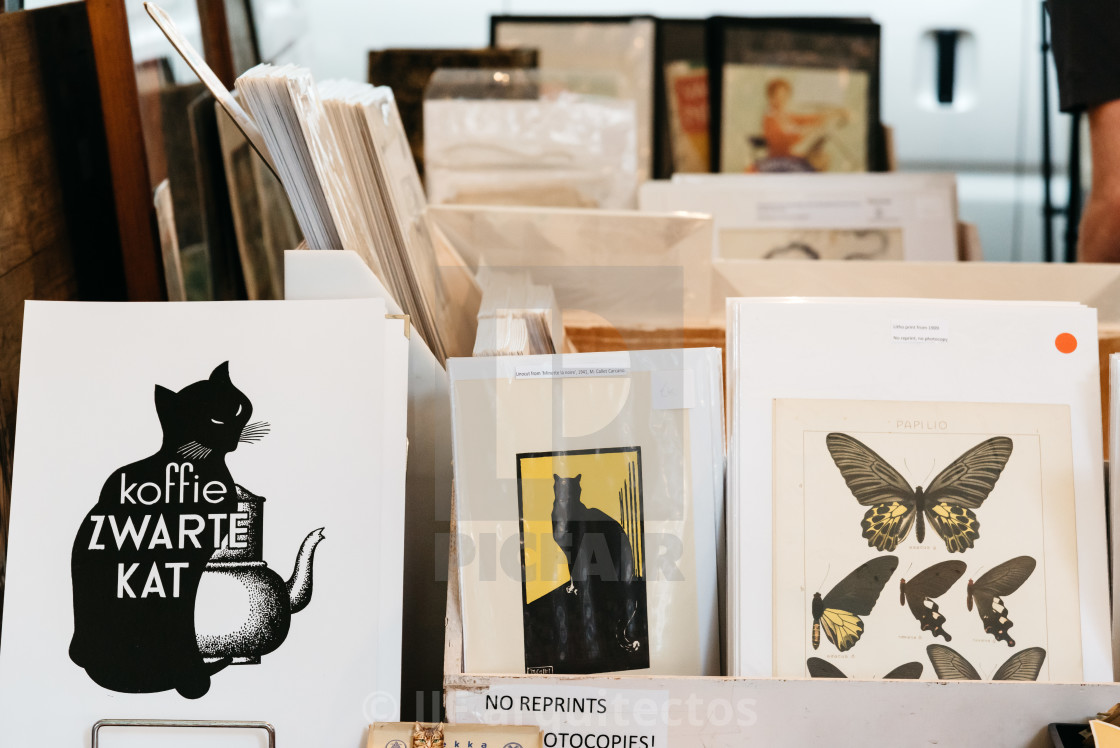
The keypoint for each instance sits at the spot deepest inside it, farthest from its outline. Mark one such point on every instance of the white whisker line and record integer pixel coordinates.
(194, 450)
(254, 432)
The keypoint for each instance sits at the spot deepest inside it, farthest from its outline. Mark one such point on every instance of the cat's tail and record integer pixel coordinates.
(78, 652)
(197, 683)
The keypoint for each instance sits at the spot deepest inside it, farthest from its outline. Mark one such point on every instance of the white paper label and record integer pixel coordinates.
(825, 212)
(919, 332)
(574, 716)
(672, 390)
(571, 371)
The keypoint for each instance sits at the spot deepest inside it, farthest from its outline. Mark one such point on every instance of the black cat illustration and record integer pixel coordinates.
(594, 544)
(597, 622)
(141, 550)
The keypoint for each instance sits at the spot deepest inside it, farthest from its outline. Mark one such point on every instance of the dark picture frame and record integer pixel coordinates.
(678, 40)
(820, 44)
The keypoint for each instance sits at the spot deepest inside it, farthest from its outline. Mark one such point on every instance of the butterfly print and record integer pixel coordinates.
(919, 592)
(949, 664)
(819, 668)
(838, 613)
(947, 503)
(987, 594)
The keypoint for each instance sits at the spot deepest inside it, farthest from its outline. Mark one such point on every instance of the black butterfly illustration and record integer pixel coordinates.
(951, 665)
(947, 502)
(838, 612)
(819, 668)
(987, 593)
(919, 591)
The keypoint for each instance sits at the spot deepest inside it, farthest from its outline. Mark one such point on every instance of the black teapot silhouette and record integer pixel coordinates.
(244, 609)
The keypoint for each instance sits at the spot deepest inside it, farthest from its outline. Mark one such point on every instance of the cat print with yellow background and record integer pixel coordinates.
(583, 561)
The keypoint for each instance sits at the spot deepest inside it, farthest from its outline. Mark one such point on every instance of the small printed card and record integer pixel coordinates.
(417, 735)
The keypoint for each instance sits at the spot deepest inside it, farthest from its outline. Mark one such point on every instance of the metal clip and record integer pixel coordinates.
(184, 723)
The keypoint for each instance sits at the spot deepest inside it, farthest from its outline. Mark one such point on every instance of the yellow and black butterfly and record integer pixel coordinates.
(819, 668)
(838, 612)
(986, 592)
(947, 502)
(949, 664)
(919, 592)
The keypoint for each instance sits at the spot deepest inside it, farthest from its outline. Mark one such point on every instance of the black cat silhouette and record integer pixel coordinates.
(141, 550)
(594, 544)
(597, 622)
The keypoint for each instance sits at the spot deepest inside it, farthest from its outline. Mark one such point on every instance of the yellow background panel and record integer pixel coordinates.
(603, 476)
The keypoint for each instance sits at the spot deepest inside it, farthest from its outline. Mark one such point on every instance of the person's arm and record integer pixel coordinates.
(1099, 238)
(807, 120)
(1085, 35)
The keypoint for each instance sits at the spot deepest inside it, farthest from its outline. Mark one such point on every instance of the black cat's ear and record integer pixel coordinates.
(576, 479)
(165, 398)
(555, 478)
(220, 375)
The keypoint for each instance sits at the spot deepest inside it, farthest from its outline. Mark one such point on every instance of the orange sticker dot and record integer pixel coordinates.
(1065, 343)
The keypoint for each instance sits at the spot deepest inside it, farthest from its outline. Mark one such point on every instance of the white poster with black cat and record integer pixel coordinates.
(144, 581)
(586, 493)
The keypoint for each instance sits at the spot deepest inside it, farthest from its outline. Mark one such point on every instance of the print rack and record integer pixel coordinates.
(101, 724)
(703, 712)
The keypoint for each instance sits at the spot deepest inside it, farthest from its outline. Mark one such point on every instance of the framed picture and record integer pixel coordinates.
(794, 95)
(686, 91)
(680, 100)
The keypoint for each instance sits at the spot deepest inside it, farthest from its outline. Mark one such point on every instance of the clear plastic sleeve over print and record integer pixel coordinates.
(586, 507)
